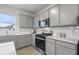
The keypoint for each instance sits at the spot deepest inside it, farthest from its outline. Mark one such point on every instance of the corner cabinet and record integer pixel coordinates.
(54, 16)
(25, 21)
(68, 14)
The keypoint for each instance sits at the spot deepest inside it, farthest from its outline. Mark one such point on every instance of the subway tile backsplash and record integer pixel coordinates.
(67, 32)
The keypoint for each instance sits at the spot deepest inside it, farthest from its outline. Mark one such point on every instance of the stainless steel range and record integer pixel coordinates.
(40, 41)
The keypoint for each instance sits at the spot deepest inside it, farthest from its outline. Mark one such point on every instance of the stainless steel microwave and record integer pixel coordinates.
(44, 23)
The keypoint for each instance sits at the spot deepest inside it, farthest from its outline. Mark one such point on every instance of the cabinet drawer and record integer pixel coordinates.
(67, 45)
(50, 40)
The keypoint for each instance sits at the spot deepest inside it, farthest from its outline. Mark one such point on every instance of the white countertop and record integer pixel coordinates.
(68, 40)
(15, 34)
(7, 48)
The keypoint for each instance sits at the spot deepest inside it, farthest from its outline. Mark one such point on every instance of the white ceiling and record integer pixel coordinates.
(32, 8)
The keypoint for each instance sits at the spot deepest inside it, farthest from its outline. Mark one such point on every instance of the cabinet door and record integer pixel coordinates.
(9, 39)
(22, 20)
(44, 15)
(33, 40)
(54, 16)
(25, 21)
(68, 14)
(64, 51)
(50, 47)
(29, 21)
(24, 41)
(65, 48)
(36, 21)
(29, 39)
(15, 42)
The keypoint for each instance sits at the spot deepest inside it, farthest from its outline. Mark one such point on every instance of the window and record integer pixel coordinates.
(7, 20)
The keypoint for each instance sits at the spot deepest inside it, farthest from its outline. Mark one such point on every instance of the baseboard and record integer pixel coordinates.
(24, 46)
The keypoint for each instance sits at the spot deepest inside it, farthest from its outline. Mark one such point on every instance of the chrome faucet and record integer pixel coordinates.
(7, 32)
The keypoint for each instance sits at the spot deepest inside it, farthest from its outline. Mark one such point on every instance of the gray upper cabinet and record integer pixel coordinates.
(54, 16)
(40, 17)
(78, 9)
(36, 21)
(25, 21)
(29, 21)
(44, 15)
(60, 15)
(22, 20)
(68, 14)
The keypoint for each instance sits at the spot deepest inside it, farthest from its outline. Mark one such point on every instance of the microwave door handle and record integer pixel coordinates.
(39, 23)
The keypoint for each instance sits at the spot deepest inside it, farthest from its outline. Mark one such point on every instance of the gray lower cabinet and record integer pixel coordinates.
(65, 48)
(33, 40)
(9, 39)
(50, 47)
(55, 47)
(19, 40)
(64, 51)
(24, 40)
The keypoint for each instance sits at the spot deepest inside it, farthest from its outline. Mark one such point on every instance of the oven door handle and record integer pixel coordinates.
(39, 38)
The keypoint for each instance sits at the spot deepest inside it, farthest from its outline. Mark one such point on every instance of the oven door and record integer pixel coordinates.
(40, 43)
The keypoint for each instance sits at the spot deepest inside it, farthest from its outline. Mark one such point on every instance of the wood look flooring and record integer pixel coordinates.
(27, 51)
